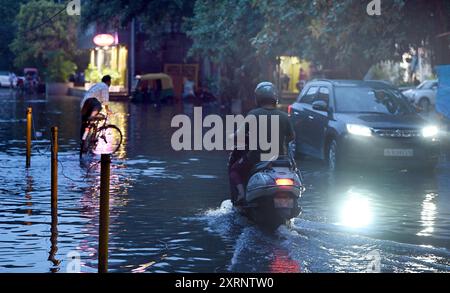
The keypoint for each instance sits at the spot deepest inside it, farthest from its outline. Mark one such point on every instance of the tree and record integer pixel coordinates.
(8, 11)
(340, 35)
(156, 16)
(44, 31)
(222, 30)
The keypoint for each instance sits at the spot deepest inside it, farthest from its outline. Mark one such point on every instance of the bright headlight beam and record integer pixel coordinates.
(430, 131)
(359, 130)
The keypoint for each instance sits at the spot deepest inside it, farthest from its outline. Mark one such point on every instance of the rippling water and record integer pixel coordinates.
(170, 213)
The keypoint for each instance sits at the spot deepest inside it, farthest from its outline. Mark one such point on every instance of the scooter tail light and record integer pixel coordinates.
(284, 181)
(289, 110)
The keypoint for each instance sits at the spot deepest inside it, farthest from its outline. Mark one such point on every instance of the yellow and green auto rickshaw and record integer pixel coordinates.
(153, 88)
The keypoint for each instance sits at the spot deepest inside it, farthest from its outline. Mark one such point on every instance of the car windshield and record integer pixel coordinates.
(425, 85)
(370, 100)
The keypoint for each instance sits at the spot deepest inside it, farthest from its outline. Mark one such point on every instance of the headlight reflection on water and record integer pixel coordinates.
(428, 215)
(356, 211)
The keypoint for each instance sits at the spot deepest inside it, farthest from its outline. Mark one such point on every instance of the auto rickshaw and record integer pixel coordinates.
(153, 88)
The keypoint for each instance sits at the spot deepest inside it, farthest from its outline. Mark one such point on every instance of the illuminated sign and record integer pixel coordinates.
(103, 40)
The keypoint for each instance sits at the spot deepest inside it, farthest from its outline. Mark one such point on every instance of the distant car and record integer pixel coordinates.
(4, 79)
(361, 121)
(424, 95)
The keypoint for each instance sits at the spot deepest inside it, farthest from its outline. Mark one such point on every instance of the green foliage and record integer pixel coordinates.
(59, 68)
(8, 11)
(159, 18)
(222, 30)
(244, 37)
(340, 35)
(388, 71)
(30, 45)
(94, 75)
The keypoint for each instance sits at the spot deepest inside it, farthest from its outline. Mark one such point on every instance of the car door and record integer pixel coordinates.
(319, 122)
(434, 87)
(300, 119)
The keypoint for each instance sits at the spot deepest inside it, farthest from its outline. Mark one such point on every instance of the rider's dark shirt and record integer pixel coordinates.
(285, 131)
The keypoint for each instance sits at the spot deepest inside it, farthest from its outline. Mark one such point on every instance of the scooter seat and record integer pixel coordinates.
(281, 162)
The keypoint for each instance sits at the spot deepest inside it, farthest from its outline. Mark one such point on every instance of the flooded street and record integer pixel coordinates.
(169, 210)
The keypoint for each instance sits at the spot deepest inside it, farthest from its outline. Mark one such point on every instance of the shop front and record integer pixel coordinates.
(109, 57)
(292, 74)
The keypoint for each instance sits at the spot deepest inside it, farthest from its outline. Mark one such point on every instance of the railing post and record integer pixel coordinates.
(104, 214)
(29, 121)
(54, 170)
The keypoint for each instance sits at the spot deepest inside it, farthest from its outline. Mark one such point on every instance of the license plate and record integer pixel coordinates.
(283, 202)
(398, 152)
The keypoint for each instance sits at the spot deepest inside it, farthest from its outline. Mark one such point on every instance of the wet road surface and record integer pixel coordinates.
(169, 210)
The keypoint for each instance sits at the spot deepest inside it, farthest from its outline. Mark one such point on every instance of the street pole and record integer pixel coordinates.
(104, 214)
(132, 54)
(29, 121)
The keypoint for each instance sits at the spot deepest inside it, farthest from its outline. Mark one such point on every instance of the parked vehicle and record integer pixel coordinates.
(31, 81)
(424, 95)
(360, 122)
(153, 88)
(4, 79)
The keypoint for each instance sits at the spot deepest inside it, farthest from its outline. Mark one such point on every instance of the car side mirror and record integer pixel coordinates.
(320, 106)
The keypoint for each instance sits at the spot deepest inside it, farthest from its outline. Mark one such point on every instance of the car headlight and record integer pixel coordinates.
(360, 130)
(430, 131)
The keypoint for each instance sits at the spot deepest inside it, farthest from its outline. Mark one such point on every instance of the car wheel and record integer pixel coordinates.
(332, 156)
(424, 104)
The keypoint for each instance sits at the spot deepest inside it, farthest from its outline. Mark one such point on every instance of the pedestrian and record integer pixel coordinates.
(12, 80)
(188, 89)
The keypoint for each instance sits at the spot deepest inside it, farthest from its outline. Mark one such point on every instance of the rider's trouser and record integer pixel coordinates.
(89, 106)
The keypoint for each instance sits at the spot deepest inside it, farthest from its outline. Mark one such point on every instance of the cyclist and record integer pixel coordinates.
(96, 97)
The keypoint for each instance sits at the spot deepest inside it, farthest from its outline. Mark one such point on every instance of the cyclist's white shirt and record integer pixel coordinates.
(100, 91)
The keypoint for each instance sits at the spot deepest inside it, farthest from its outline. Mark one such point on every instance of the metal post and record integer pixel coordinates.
(104, 214)
(54, 170)
(29, 121)
(132, 73)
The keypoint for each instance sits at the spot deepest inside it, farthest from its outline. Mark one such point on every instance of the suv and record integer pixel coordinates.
(344, 121)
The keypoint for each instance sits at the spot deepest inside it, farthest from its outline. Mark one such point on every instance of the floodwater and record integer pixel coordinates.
(169, 210)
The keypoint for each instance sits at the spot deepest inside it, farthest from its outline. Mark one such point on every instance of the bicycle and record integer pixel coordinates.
(97, 139)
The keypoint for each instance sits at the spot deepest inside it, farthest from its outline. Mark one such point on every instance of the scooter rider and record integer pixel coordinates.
(266, 101)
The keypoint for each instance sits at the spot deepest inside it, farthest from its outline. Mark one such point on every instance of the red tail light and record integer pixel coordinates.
(284, 181)
(289, 110)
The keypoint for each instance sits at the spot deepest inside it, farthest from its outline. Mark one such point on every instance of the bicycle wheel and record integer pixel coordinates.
(107, 140)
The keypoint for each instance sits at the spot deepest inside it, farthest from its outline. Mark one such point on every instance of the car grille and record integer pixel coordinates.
(405, 133)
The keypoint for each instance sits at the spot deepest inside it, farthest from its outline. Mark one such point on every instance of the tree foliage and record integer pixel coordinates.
(340, 34)
(222, 30)
(246, 36)
(157, 17)
(8, 11)
(40, 38)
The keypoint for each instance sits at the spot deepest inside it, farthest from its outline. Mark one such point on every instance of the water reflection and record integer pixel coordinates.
(54, 243)
(356, 211)
(398, 205)
(428, 215)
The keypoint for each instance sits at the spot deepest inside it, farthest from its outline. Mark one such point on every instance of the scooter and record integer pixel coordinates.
(272, 193)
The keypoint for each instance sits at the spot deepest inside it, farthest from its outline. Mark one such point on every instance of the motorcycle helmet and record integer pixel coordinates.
(266, 93)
